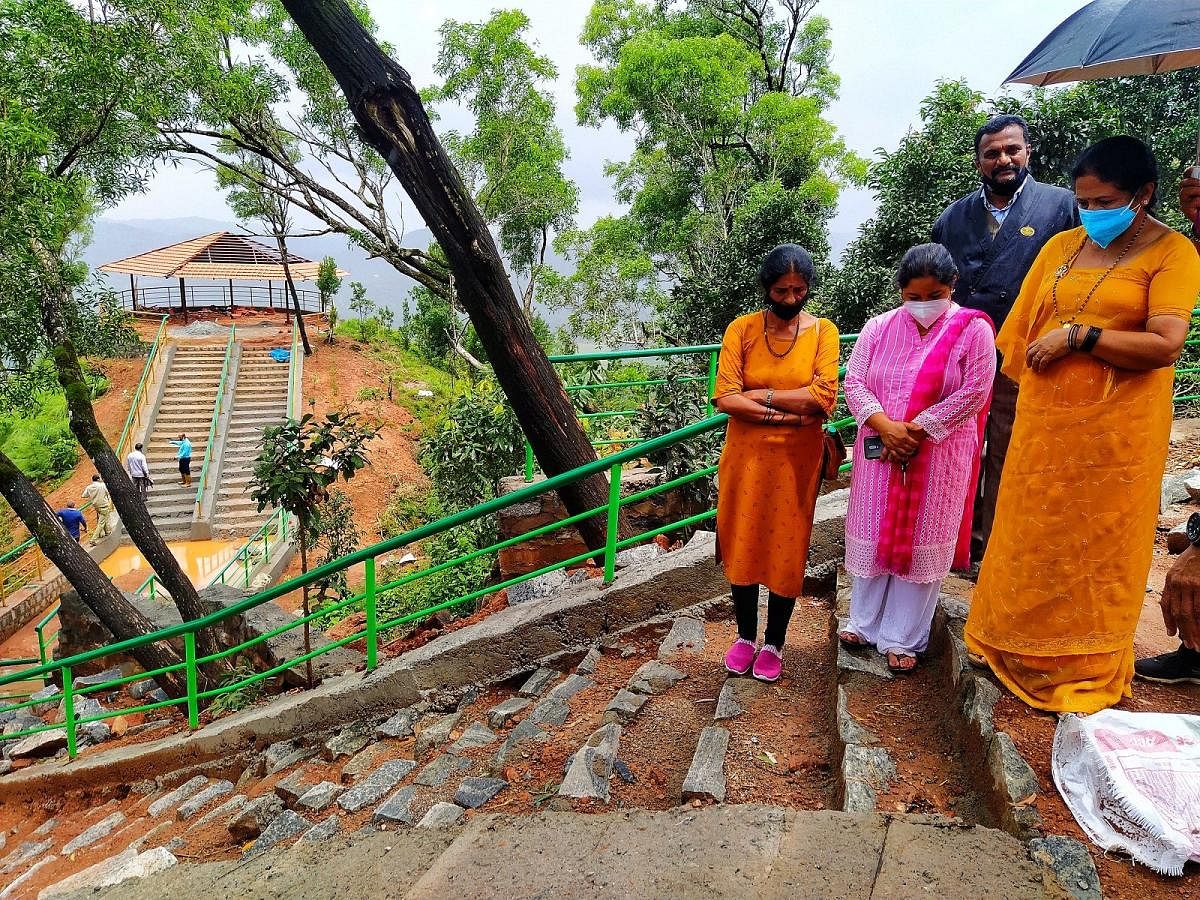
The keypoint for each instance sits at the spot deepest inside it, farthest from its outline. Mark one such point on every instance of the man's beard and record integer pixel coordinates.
(1006, 188)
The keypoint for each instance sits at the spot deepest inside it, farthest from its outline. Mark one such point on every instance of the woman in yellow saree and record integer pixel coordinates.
(1092, 341)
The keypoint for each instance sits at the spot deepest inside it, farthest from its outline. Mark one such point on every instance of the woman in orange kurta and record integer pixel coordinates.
(1092, 339)
(777, 380)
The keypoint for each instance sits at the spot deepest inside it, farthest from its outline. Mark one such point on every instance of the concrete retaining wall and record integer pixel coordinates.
(510, 642)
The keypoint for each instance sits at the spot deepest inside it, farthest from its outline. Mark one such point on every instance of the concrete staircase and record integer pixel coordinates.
(186, 407)
(260, 400)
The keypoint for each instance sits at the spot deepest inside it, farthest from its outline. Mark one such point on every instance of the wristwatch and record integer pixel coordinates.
(1193, 529)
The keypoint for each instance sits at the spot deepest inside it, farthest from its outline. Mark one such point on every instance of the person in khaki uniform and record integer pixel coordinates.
(96, 493)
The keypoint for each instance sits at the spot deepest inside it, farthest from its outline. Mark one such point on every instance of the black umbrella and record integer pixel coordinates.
(1109, 38)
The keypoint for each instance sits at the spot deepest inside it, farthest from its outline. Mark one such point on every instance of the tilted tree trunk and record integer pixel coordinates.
(95, 590)
(128, 503)
(291, 286)
(394, 121)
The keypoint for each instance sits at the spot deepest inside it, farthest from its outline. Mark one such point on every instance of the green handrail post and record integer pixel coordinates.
(152, 592)
(528, 461)
(69, 710)
(136, 406)
(614, 518)
(189, 659)
(246, 567)
(372, 623)
(712, 379)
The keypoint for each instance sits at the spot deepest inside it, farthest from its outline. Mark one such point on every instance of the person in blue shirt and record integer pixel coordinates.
(72, 520)
(185, 459)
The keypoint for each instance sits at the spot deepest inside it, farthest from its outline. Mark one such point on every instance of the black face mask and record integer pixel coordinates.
(787, 313)
(1006, 188)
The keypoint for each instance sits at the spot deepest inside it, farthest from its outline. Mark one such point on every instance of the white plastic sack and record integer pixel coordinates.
(1132, 781)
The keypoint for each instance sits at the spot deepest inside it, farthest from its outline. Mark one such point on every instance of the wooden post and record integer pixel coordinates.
(183, 301)
(133, 291)
(270, 294)
(231, 297)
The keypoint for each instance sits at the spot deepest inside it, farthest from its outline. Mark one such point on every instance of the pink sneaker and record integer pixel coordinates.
(768, 665)
(740, 657)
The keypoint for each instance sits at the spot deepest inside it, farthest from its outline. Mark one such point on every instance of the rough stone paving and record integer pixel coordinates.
(646, 726)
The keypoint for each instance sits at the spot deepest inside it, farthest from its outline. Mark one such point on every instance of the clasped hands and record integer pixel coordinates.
(901, 440)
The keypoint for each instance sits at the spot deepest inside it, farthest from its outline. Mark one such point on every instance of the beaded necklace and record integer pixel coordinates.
(767, 339)
(1062, 271)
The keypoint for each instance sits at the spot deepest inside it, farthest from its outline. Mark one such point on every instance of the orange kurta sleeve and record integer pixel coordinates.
(732, 361)
(825, 367)
(1174, 286)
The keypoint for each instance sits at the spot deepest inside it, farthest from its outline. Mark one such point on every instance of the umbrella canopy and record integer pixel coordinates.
(1110, 38)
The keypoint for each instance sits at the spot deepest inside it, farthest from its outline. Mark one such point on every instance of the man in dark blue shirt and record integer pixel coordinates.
(72, 520)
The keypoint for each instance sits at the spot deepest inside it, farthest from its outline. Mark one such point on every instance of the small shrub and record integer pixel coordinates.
(369, 393)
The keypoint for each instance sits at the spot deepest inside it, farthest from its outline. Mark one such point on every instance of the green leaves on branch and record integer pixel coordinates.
(935, 165)
(733, 154)
(513, 158)
(300, 459)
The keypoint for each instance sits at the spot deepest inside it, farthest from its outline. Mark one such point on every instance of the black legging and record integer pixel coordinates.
(745, 612)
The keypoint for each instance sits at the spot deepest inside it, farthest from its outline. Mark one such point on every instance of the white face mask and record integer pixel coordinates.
(926, 312)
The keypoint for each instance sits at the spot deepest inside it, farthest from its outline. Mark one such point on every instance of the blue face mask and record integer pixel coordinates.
(1105, 225)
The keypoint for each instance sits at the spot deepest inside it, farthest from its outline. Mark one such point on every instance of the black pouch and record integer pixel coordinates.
(873, 447)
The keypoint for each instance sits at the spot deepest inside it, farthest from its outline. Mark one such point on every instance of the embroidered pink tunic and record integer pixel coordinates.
(879, 377)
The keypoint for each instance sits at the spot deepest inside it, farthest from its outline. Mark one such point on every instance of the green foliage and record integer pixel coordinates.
(733, 153)
(334, 534)
(78, 106)
(473, 447)
(513, 158)
(238, 698)
(935, 165)
(670, 407)
(328, 283)
(364, 307)
(300, 459)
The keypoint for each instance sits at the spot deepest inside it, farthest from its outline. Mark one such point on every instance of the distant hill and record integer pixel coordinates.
(114, 239)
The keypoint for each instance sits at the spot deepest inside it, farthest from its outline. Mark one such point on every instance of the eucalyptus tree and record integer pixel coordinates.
(362, 135)
(251, 201)
(513, 157)
(79, 99)
(733, 153)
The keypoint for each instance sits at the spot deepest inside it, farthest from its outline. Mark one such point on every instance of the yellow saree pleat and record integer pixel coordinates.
(1064, 577)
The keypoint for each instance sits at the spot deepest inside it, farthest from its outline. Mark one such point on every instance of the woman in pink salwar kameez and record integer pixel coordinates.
(919, 378)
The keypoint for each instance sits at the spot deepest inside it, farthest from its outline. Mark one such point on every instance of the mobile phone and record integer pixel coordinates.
(873, 447)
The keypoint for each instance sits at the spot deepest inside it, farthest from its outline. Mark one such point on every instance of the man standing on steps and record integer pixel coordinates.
(97, 494)
(139, 470)
(1181, 596)
(185, 459)
(72, 520)
(994, 235)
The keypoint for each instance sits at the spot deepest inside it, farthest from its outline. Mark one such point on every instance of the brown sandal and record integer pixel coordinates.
(898, 666)
(851, 639)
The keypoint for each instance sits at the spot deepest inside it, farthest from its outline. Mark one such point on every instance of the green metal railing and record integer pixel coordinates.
(15, 572)
(712, 351)
(193, 697)
(257, 551)
(218, 407)
(142, 393)
(293, 395)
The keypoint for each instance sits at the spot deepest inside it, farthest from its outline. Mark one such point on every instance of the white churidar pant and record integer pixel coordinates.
(893, 614)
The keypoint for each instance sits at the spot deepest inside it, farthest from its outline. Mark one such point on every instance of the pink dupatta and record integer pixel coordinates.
(906, 490)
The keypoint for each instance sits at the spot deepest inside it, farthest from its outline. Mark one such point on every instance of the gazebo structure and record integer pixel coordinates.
(218, 257)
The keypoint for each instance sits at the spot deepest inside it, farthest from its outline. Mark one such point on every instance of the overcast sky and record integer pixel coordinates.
(888, 54)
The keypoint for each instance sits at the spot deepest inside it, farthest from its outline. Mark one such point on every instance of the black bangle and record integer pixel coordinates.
(1073, 337)
(1089, 341)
